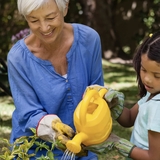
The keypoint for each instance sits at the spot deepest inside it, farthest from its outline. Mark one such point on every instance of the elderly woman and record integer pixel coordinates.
(49, 71)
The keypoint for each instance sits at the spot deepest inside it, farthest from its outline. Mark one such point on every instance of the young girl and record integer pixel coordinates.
(145, 114)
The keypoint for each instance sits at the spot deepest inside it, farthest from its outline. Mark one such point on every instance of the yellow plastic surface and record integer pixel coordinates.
(92, 120)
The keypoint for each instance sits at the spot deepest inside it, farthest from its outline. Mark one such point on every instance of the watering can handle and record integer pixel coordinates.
(102, 92)
(90, 94)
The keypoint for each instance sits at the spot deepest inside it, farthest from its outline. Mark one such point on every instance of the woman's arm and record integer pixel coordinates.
(27, 105)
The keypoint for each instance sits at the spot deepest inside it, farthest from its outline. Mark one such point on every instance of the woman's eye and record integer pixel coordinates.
(50, 18)
(34, 21)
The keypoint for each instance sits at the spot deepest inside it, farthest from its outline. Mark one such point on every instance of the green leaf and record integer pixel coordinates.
(33, 130)
(21, 140)
(50, 155)
(21, 146)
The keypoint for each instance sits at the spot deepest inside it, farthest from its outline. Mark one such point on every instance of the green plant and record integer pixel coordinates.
(22, 145)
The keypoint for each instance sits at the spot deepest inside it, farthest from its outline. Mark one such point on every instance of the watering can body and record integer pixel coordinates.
(92, 120)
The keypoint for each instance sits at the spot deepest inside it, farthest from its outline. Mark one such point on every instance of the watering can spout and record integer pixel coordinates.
(74, 145)
(92, 120)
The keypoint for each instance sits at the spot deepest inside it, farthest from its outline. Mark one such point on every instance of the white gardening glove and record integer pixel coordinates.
(63, 131)
(113, 98)
(51, 128)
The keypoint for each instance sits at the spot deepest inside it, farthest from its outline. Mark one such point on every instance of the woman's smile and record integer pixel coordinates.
(47, 34)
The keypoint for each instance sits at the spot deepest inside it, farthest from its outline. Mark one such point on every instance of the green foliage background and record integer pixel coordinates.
(105, 16)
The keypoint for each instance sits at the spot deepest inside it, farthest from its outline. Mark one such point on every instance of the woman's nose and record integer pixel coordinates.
(44, 27)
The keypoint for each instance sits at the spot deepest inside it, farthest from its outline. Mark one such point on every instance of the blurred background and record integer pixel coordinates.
(121, 24)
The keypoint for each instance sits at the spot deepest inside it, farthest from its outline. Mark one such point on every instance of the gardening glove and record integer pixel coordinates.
(63, 131)
(114, 142)
(113, 98)
(50, 128)
(115, 101)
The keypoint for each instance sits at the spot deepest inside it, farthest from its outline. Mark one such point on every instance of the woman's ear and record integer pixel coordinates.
(65, 10)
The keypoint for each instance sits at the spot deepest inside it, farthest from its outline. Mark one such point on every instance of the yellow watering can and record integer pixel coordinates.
(92, 120)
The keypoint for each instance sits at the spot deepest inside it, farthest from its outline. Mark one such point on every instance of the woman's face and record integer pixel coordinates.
(150, 74)
(46, 22)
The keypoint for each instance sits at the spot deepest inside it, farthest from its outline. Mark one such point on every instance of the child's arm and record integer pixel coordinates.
(154, 148)
(127, 149)
(128, 116)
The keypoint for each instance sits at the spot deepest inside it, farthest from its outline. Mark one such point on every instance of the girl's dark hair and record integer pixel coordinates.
(151, 47)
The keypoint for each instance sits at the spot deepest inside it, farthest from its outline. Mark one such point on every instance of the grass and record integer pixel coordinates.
(123, 78)
(117, 76)
(6, 110)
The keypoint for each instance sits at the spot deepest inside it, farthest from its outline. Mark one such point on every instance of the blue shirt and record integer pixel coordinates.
(38, 90)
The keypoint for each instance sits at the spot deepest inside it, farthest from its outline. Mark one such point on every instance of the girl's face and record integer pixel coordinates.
(46, 22)
(150, 74)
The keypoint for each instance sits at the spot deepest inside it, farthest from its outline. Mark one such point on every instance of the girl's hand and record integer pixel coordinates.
(114, 142)
(113, 98)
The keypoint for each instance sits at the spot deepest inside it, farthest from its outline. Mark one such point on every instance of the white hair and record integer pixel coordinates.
(25, 7)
